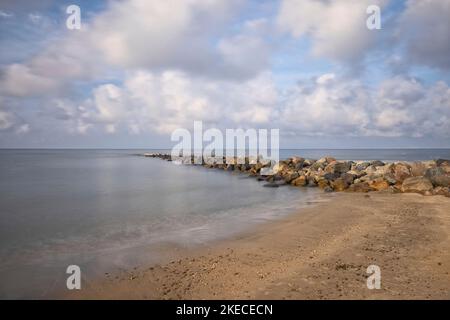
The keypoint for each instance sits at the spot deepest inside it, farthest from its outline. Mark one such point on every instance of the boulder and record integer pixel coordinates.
(440, 162)
(416, 184)
(338, 167)
(442, 191)
(328, 189)
(377, 163)
(429, 164)
(418, 169)
(438, 177)
(323, 183)
(359, 187)
(296, 160)
(362, 166)
(318, 165)
(445, 167)
(367, 177)
(331, 176)
(348, 178)
(401, 171)
(379, 184)
(357, 174)
(390, 178)
(298, 165)
(280, 166)
(291, 176)
(311, 181)
(339, 184)
(299, 182)
(322, 160)
(308, 162)
(383, 170)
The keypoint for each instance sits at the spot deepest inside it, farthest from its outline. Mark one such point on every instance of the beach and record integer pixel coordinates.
(319, 252)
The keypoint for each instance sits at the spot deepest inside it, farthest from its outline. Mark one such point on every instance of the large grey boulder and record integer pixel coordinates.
(438, 177)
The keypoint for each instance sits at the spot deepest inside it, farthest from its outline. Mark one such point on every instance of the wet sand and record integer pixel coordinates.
(321, 252)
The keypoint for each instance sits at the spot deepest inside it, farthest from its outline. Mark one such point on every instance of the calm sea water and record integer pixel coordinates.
(105, 210)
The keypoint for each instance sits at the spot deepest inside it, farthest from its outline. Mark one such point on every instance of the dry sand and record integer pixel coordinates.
(321, 252)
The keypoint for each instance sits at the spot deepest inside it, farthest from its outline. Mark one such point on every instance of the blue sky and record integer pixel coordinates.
(137, 70)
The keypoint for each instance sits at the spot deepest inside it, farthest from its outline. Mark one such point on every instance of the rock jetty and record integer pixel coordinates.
(425, 177)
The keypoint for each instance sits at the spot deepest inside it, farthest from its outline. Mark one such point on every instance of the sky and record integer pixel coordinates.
(137, 70)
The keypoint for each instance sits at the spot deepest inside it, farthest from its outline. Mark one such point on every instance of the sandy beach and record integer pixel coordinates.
(320, 252)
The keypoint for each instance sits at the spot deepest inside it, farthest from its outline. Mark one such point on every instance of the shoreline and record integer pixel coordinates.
(320, 252)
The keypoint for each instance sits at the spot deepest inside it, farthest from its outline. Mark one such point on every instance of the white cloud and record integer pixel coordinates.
(163, 102)
(327, 105)
(19, 80)
(337, 28)
(187, 35)
(414, 110)
(139, 34)
(399, 106)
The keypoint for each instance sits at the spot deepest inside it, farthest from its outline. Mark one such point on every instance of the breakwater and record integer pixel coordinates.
(430, 177)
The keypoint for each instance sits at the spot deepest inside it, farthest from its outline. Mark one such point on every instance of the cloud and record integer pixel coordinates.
(327, 105)
(191, 36)
(398, 107)
(405, 107)
(337, 29)
(195, 39)
(4, 14)
(163, 102)
(10, 121)
(19, 80)
(424, 27)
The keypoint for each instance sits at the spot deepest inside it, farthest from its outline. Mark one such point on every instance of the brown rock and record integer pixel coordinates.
(418, 169)
(299, 182)
(401, 171)
(311, 181)
(348, 178)
(323, 183)
(338, 167)
(359, 187)
(308, 162)
(446, 168)
(442, 191)
(290, 176)
(383, 170)
(379, 184)
(416, 184)
(339, 184)
(441, 162)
